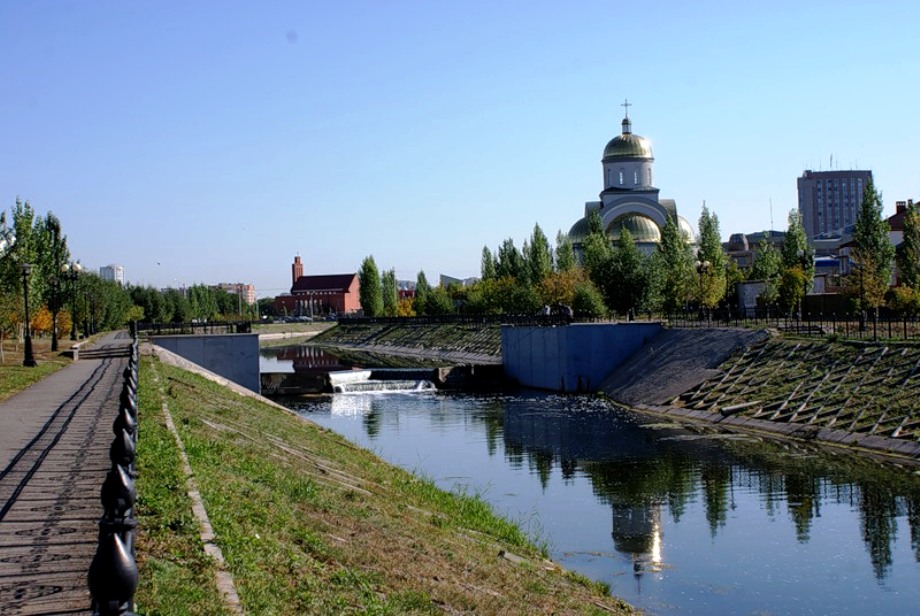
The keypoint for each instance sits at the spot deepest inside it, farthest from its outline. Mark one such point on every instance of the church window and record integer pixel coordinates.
(649, 177)
(636, 178)
(621, 178)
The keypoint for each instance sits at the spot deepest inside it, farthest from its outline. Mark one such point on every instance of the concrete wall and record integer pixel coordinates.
(233, 356)
(573, 357)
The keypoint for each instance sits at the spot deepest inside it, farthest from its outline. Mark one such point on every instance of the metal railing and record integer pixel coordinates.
(463, 319)
(113, 574)
(884, 325)
(207, 327)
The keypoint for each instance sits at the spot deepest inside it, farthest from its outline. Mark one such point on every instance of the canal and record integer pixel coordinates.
(674, 521)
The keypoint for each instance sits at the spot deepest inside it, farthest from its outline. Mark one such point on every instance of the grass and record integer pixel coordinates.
(15, 377)
(311, 524)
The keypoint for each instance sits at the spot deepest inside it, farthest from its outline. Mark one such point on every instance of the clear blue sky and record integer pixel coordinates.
(212, 141)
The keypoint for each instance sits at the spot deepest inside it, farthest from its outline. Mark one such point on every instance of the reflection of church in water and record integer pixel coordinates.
(629, 199)
(621, 461)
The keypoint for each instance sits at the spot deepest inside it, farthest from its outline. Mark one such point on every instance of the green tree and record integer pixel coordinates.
(588, 302)
(422, 290)
(767, 267)
(538, 257)
(439, 302)
(792, 286)
(796, 253)
(369, 291)
(487, 264)
(872, 251)
(908, 253)
(510, 261)
(390, 293)
(673, 267)
(627, 284)
(565, 253)
(712, 285)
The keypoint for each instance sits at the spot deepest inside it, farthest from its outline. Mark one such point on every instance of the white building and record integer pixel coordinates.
(113, 272)
(629, 200)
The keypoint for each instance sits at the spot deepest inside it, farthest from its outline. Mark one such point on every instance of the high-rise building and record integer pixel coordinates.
(829, 200)
(246, 292)
(113, 272)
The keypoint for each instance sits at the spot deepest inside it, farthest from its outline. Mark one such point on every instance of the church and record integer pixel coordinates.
(629, 199)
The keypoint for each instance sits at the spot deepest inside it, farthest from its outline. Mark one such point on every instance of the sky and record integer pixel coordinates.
(212, 141)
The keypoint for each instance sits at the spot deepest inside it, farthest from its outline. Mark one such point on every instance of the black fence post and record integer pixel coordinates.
(113, 574)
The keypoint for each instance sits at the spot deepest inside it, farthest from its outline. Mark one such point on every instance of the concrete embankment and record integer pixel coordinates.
(451, 343)
(859, 397)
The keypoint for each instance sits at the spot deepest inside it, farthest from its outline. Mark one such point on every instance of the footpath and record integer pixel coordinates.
(54, 452)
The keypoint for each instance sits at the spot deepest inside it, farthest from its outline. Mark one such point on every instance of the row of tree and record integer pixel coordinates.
(619, 278)
(61, 292)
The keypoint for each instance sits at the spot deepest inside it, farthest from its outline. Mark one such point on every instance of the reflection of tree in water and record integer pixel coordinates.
(877, 511)
(371, 422)
(636, 473)
(804, 500)
(716, 482)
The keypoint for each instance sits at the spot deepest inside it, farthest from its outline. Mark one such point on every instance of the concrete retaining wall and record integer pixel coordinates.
(232, 356)
(571, 358)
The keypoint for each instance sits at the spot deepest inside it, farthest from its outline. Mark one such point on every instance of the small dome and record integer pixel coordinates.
(579, 231)
(643, 229)
(628, 145)
(685, 229)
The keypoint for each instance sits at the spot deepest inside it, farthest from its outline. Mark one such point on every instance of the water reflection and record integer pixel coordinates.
(303, 359)
(637, 469)
(661, 486)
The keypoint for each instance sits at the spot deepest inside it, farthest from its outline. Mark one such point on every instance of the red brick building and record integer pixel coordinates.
(319, 295)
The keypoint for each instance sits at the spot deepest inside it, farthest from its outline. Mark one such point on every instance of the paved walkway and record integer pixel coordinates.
(54, 443)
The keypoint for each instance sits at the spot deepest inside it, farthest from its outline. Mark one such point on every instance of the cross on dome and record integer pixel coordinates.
(626, 105)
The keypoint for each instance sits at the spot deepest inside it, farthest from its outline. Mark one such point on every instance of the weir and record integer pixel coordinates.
(382, 380)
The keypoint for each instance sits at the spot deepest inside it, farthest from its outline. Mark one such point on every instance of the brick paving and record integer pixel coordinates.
(54, 443)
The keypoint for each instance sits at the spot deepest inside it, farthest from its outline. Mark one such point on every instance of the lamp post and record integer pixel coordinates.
(702, 267)
(28, 358)
(54, 313)
(72, 273)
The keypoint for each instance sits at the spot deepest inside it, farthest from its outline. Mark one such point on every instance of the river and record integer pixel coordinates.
(674, 521)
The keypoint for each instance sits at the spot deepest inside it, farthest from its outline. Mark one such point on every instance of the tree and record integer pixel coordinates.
(565, 253)
(510, 261)
(627, 285)
(487, 264)
(587, 301)
(908, 253)
(596, 249)
(873, 251)
(439, 302)
(538, 257)
(390, 293)
(422, 290)
(560, 287)
(767, 266)
(712, 285)
(369, 291)
(792, 285)
(796, 253)
(673, 267)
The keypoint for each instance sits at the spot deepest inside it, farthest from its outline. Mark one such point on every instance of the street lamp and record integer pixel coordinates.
(702, 267)
(72, 273)
(54, 313)
(28, 359)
